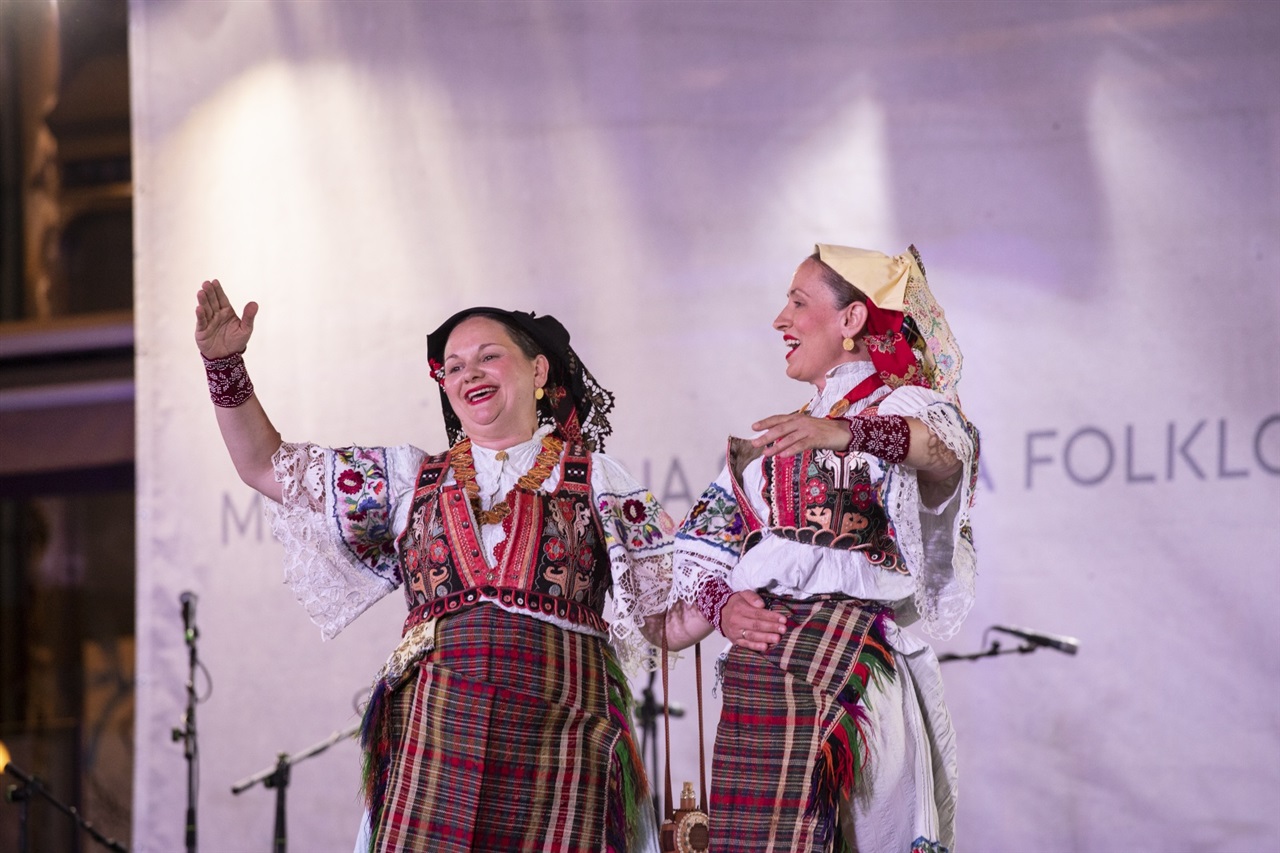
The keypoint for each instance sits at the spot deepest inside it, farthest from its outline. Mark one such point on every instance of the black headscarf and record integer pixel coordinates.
(574, 401)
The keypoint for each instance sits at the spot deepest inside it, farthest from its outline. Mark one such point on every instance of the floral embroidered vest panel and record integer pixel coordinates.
(552, 561)
(818, 498)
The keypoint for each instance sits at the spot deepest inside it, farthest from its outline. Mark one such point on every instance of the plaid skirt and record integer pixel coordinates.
(510, 735)
(792, 736)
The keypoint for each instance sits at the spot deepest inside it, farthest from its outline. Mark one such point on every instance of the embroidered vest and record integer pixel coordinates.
(553, 560)
(831, 504)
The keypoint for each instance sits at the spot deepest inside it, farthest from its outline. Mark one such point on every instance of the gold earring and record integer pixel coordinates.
(849, 345)
(538, 393)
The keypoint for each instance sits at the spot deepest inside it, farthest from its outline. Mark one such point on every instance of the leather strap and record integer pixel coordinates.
(668, 813)
(702, 741)
(666, 725)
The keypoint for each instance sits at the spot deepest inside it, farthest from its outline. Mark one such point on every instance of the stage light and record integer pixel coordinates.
(840, 178)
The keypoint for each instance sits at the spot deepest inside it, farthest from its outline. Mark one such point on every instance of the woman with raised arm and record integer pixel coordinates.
(501, 721)
(820, 540)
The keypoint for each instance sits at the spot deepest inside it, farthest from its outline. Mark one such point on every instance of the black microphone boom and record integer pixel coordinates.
(188, 599)
(1066, 645)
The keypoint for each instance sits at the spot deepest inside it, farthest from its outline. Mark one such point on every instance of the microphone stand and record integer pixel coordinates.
(277, 776)
(187, 734)
(30, 786)
(1024, 649)
(1031, 640)
(647, 714)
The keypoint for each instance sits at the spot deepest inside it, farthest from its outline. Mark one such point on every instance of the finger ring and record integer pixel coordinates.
(744, 633)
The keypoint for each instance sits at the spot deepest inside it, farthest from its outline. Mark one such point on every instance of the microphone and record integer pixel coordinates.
(1066, 645)
(188, 599)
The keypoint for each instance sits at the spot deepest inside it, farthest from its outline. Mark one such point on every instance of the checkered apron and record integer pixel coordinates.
(792, 735)
(510, 735)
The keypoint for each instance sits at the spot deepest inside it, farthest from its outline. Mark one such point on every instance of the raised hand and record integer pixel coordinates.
(219, 330)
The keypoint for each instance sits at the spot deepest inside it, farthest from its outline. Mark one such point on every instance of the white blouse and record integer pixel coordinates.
(935, 542)
(338, 569)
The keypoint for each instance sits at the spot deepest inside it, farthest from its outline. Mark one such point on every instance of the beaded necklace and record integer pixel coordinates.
(464, 471)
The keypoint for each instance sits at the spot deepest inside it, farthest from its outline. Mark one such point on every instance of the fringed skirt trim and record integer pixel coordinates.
(793, 733)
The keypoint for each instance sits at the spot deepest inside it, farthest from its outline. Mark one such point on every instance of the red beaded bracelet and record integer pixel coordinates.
(885, 436)
(710, 599)
(229, 384)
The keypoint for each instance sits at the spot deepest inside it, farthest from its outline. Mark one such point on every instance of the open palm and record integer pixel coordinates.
(219, 330)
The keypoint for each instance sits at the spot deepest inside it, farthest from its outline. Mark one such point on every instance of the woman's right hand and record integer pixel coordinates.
(219, 331)
(747, 622)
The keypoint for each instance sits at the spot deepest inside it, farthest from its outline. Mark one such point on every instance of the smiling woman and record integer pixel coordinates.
(491, 384)
(506, 547)
(819, 325)
(821, 539)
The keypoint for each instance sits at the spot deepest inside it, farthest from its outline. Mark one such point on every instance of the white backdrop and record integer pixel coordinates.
(1094, 190)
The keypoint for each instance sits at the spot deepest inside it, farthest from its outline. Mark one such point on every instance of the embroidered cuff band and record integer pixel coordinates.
(885, 436)
(710, 598)
(229, 384)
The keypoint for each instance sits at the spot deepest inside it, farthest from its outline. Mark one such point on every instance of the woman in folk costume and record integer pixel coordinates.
(501, 721)
(820, 540)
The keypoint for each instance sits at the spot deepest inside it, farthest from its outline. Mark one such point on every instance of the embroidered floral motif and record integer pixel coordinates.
(438, 550)
(716, 520)
(361, 507)
(924, 845)
(886, 343)
(911, 376)
(642, 523)
(555, 549)
(558, 568)
(830, 504)
(633, 511)
(349, 482)
(941, 357)
(815, 490)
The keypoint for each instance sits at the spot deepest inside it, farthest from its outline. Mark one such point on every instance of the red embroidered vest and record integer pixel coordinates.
(552, 561)
(832, 506)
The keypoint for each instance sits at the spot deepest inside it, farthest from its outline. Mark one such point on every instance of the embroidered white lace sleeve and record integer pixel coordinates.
(937, 543)
(638, 534)
(338, 523)
(708, 543)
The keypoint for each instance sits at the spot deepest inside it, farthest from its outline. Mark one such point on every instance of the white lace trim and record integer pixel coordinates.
(709, 551)
(641, 598)
(941, 560)
(695, 571)
(316, 567)
(641, 572)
